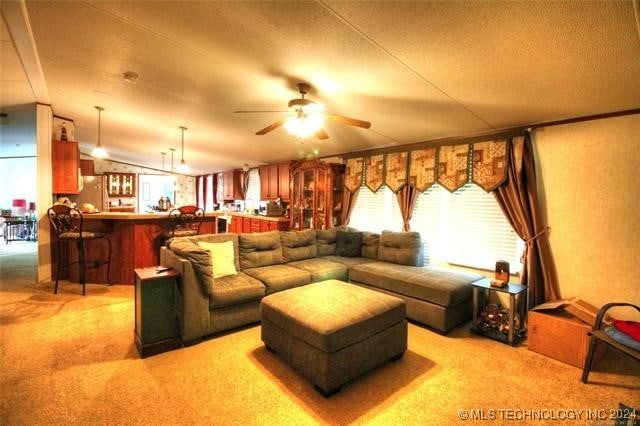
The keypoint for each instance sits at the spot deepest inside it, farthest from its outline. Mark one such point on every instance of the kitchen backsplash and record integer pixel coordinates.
(185, 185)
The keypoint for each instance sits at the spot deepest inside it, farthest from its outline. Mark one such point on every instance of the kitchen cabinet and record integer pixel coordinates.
(87, 168)
(232, 184)
(274, 181)
(65, 167)
(317, 190)
(283, 180)
(268, 182)
(121, 184)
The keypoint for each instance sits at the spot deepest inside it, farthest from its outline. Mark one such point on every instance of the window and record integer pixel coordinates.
(465, 228)
(209, 205)
(253, 190)
(377, 211)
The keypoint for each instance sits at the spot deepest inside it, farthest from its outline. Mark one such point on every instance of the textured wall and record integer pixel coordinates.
(185, 185)
(591, 182)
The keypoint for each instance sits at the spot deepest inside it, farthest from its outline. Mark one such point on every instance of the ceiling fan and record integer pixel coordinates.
(305, 117)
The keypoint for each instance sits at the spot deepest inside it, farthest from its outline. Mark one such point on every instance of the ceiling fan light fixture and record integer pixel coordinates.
(304, 121)
(98, 151)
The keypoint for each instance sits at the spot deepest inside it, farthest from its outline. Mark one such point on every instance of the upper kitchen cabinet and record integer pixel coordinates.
(232, 185)
(274, 181)
(65, 167)
(269, 182)
(121, 184)
(283, 180)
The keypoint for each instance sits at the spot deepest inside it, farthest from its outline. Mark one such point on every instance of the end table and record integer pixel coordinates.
(156, 325)
(517, 302)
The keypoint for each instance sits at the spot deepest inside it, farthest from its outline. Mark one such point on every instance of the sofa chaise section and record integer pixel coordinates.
(438, 298)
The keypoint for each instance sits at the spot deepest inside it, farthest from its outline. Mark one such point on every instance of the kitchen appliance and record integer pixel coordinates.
(164, 204)
(274, 208)
(94, 191)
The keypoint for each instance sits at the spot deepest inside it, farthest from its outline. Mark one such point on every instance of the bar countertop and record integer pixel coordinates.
(135, 216)
(165, 215)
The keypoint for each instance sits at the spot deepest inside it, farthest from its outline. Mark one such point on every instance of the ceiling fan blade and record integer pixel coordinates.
(321, 134)
(349, 121)
(243, 112)
(271, 127)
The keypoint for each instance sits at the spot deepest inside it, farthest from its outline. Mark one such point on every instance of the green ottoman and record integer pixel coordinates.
(332, 331)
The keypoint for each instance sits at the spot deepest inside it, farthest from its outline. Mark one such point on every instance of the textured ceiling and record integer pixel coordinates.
(416, 70)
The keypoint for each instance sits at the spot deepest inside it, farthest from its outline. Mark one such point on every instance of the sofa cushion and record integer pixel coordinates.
(200, 258)
(348, 261)
(348, 244)
(400, 247)
(322, 269)
(221, 258)
(370, 243)
(280, 277)
(331, 315)
(219, 238)
(260, 249)
(326, 241)
(235, 289)
(299, 245)
(440, 286)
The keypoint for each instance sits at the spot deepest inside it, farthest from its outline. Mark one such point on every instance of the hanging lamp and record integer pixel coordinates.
(182, 167)
(98, 150)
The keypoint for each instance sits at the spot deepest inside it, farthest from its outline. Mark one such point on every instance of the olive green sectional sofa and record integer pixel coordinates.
(269, 262)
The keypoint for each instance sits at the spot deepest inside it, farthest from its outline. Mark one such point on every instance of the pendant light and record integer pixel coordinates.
(172, 150)
(182, 167)
(163, 155)
(99, 151)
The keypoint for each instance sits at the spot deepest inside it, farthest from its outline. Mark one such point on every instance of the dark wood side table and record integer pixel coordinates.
(156, 325)
(517, 304)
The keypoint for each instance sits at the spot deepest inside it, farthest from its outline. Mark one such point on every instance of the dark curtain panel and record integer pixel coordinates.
(348, 202)
(198, 200)
(407, 200)
(244, 183)
(204, 192)
(214, 189)
(518, 199)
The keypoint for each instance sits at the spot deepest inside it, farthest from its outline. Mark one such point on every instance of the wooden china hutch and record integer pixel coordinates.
(316, 195)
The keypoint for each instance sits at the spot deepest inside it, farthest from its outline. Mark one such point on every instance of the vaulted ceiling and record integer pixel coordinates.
(415, 70)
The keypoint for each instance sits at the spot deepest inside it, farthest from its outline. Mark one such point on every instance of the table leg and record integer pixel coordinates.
(475, 306)
(512, 305)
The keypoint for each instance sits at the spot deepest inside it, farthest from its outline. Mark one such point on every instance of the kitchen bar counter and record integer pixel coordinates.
(136, 239)
(137, 216)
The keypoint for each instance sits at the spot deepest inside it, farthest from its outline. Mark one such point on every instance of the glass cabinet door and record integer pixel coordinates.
(321, 195)
(296, 211)
(307, 201)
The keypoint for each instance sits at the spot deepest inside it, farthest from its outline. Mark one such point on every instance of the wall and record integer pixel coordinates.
(591, 197)
(185, 185)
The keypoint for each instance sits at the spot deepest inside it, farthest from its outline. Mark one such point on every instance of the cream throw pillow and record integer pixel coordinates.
(222, 261)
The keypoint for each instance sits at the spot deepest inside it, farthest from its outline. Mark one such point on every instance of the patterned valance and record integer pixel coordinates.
(395, 176)
(452, 166)
(353, 174)
(489, 164)
(422, 169)
(374, 172)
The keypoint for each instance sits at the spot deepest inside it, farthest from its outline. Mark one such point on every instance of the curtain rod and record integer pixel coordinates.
(477, 137)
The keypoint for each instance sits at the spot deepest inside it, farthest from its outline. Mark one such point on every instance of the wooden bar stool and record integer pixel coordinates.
(67, 223)
(185, 222)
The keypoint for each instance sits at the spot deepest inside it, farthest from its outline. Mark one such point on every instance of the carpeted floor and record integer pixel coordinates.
(71, 359)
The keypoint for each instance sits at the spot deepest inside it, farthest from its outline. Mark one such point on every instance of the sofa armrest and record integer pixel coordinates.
(192, 302)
